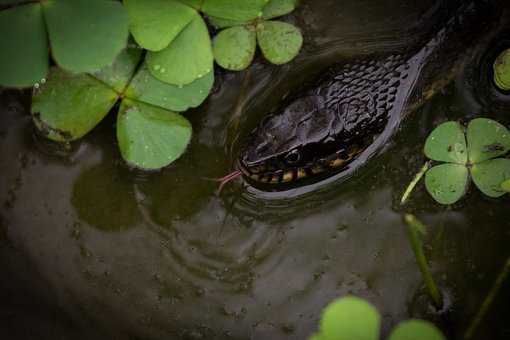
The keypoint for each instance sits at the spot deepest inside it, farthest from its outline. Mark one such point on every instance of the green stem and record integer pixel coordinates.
(488, 301)
(413, 183)
(415, 228)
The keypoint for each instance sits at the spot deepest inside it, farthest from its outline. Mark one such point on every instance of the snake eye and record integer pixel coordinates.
(293, 157)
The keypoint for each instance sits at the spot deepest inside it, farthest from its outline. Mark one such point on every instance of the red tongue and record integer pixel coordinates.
(226, 179)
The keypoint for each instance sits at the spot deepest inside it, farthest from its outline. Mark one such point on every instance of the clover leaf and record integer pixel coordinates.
(474, 152)
(279, 42)
(150, 134)
(84, 35)
(350, 318)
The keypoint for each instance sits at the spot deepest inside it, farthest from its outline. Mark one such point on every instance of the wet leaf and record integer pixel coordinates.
(416, 330)
(277, 8)
(234, 48)
(447, 183)
(121, 71)
(486, 139)
(489, 175)
(187, 58)
(150, 137)
(239, 10)
(447, 143)
(24, 56)
(349, 318)
(222, 23)
(501, 69)
(196, 4)
(145, 88)
(506, 186)
(85, 35)
(69, 105)
(155, 23)
(279, 41)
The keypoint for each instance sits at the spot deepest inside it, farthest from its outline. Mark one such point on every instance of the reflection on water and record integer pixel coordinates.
(162, 256)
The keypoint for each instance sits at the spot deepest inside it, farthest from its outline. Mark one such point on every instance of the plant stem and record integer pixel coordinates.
(415, 228)
(413, 183)
(488, 300)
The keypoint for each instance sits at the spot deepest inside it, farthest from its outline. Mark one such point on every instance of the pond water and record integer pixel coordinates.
(92, 249)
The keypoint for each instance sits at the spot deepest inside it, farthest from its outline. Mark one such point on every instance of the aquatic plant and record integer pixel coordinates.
(167, 69)
(351, 318)
(465, 153)
(501, 70)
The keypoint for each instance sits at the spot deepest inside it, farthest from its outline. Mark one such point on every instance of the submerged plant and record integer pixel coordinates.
(473, 152)
(501, 70)
(351, 318)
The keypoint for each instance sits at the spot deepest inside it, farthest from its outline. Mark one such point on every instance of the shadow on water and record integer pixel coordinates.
(162, 256)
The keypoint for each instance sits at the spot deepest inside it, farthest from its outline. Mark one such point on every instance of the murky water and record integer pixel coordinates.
(90, 248)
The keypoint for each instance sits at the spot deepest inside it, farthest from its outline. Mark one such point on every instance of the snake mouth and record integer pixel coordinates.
(261, 173)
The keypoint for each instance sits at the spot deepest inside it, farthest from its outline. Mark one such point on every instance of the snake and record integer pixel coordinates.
(325, 126)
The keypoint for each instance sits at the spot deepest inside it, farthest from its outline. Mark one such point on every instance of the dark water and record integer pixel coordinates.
(91, 249)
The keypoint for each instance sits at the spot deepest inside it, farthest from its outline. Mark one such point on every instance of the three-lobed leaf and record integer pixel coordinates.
(277, 8)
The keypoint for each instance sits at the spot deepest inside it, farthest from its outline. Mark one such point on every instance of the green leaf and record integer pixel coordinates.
(447, 183)
(187, 58)
(350, 318)
(196, 4)
(277, 8)
(489, 175)
(239, 10)
(155, 23)
(416, 330)
(222, 23)
(24, 56)
(501, 69)
(506, 186)
(69, 105)
(486, 139)
(145, 88)
(447, 143)
(118, 74)
(86, 35)
(234, 48)
(150, 137)
(279, 41)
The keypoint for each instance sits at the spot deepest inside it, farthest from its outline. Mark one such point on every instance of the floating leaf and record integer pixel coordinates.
(447, 143)
(506, 186)
(277, 8)
(234, 47)
(239, 10)
(150, 137)
(350, 318)
(155, 23)
(145, 88)
(486, 139)
(118, 74)
(69, 105)
(85, 35)
(447, 183)
(24, 56)
(222, 23)
(196, 4)
(489, 175)
(188, 57)
(501, 69)
(416, 330)
(279, 41)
